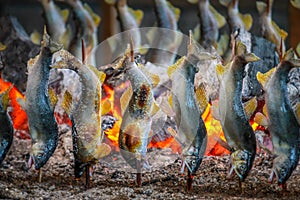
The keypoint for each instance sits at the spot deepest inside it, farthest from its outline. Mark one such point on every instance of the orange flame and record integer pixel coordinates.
(18, 115)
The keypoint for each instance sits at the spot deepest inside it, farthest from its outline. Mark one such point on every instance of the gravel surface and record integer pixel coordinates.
(114, 179)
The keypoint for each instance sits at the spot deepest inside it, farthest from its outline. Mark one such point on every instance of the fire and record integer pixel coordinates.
(18, 115)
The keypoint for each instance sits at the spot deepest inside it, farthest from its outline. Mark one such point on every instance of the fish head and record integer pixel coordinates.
(242, 162)
(283, 167)
(41, 152)
(192, 160)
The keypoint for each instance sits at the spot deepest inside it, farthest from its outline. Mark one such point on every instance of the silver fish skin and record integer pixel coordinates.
(136, 120)
(6, 127)
(236, 127)
(42, 124)
(55, 22)
(283, 124)
(86, 30)
(209, 25)
(86, 115)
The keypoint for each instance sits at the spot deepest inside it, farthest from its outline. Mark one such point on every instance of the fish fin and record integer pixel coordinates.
(261, 119)
(154, 78)
(138, 15)
(251, 57)
(101, 75)
(52, 97)
(283, 34)
(2, 46)
(67, 102)
(223, 43)
(297, 50)
(103, 150)
(193, 1)
(295, 3)
(125, 98)
(297, 112)
(197, 32)
(247, 20)
(263, 78)
(171, 69)
(36, 37)
(220, 70)
(111, 2)
(215, 110)
(225, 2)
(288, 55)
(96, 18)
(175, 10)
(220, 18)
(105, 107)
(166, 107)
(155, 109)
(65, 14)
(250, 107)
(172, 131)
(241, 48)
(295, 62)
(201, 97)
(5, 98)
(48, 42)
(223, 143)
(194, 50)
(261, 7)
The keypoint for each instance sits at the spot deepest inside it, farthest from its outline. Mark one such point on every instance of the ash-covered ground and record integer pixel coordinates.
(114, 179)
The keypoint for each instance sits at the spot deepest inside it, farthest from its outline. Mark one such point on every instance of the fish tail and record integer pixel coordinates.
(47, 42)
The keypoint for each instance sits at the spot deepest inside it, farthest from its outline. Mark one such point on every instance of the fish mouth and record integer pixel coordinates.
(242, 161)
(41, 153)
(192, 163)
(135, 160)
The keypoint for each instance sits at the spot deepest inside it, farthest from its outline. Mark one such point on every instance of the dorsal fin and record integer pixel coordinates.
(125, 98)
(5, 98)
(250, 107)
(219, 18)
(67, 102)
(263, 78)
(65, 14)
(282, 33)
(154, 79)
(105, 107)
(137, 14)
(176, 11)
(52, 97)
(35, 37)
(261, 7)
(101, 75)
(247, 20)
(261, 119)
(171, 69)
(201, 97)
(96, 18)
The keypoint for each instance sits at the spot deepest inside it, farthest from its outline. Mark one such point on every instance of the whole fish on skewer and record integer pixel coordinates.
(269, 29)
(233, 115)
(86, 116)
(130, 21)
(283, 122)
(56, 23)
(6, 126)
(188, 106)
(236, 19)
(210, 23)
(138, 107)
(164, 42)
(87, 23)
(39, 105)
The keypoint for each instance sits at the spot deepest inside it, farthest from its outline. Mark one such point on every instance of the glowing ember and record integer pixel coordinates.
(18, 115)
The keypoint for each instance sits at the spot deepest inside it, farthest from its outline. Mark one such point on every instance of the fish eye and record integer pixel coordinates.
(196, 69)
(193, 162)
(242, 168)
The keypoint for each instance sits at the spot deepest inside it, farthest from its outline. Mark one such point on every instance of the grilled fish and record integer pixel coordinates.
(269, 29)
(210, 23)
(231, 113)
(282, 121)
(295, 3)
(129, 19)
(56, 23)
(164, 42)
(87, 23)
(6, 128)
(188, 106)
(236, 19)
(86, 115)
(39, 106)
(136, 121)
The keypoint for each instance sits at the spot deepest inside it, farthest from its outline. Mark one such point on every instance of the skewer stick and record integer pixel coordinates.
(139, 173)
(40, 175)
(87, 176)
(189, 181)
